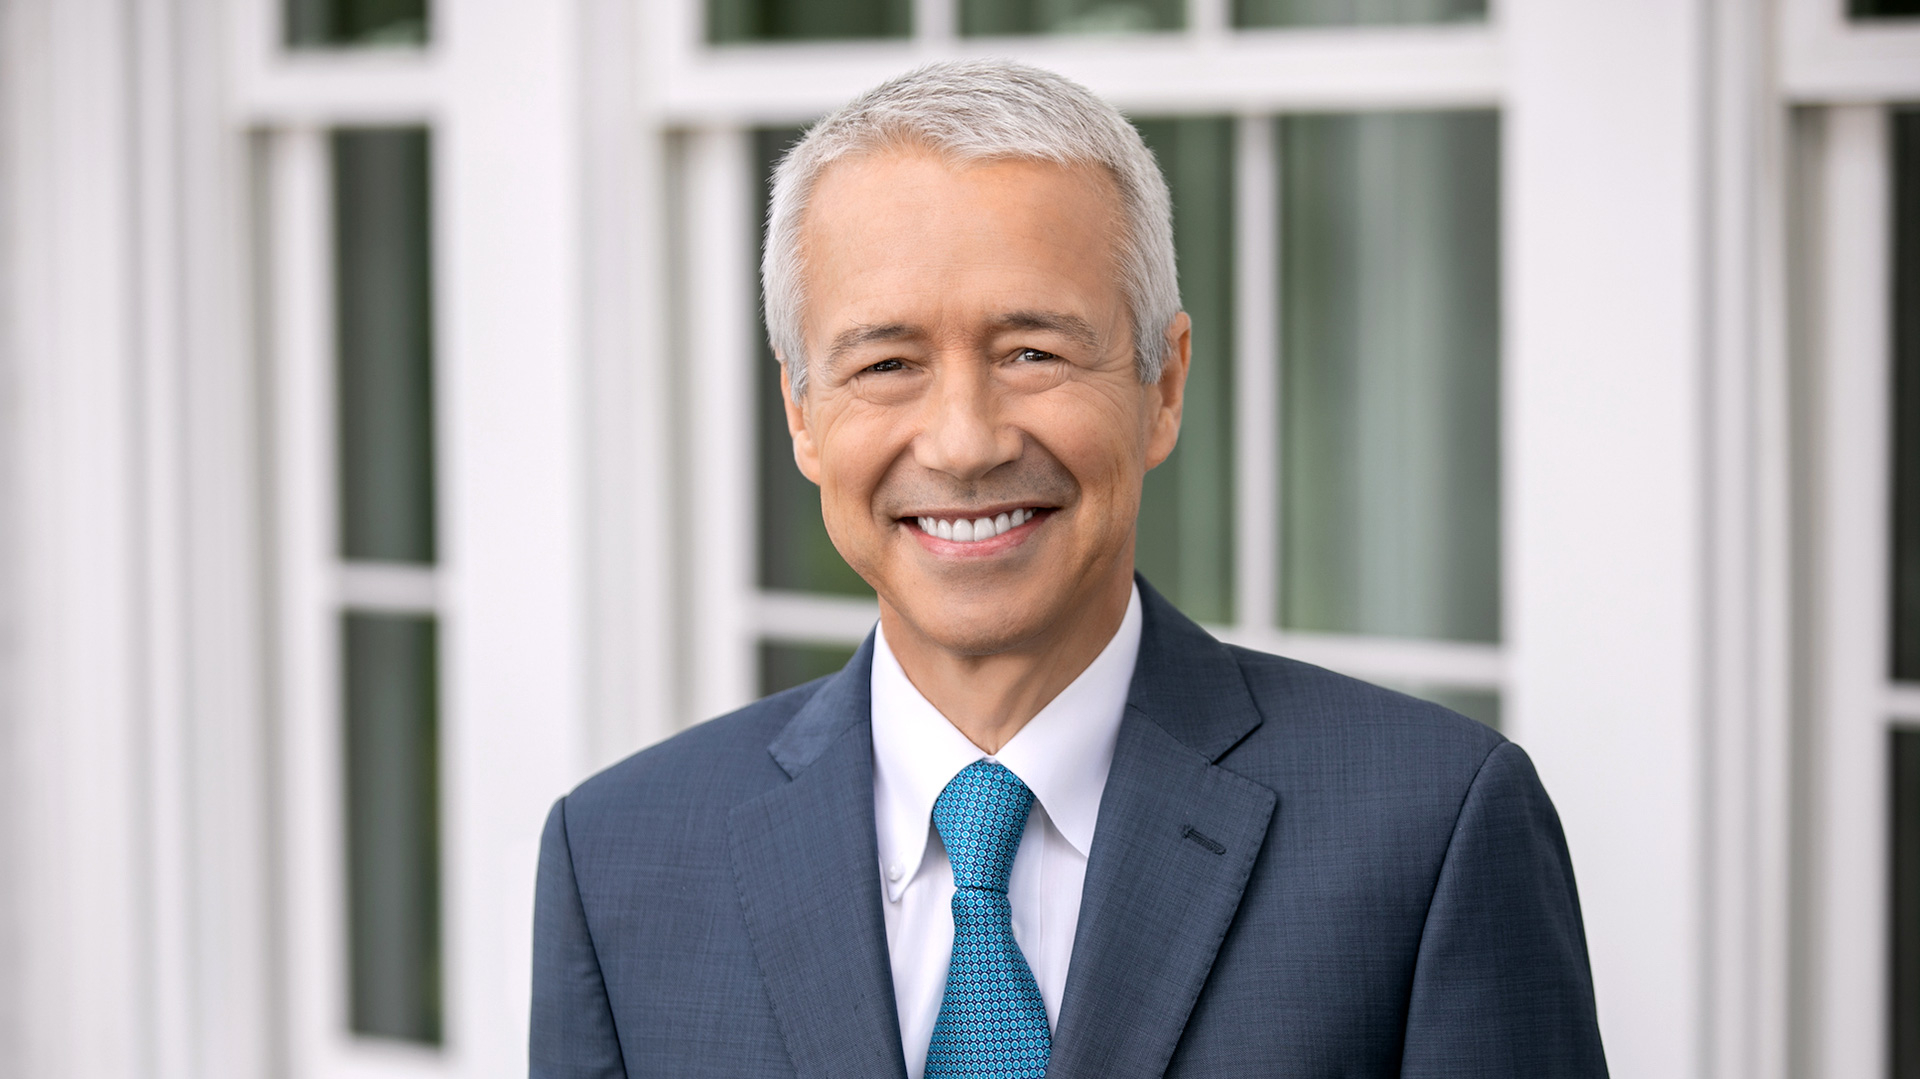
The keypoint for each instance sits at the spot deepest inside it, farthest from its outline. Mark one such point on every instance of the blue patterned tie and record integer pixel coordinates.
(992, 1021)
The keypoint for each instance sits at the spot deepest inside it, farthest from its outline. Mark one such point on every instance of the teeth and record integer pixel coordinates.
(963, 530)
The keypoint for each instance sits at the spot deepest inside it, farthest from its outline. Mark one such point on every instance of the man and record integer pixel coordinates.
(1041, 823)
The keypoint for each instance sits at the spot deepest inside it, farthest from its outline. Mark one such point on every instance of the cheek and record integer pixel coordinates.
(859, 443)
(1101, 440)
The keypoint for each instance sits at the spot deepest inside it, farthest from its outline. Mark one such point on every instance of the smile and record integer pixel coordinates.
(974, 529)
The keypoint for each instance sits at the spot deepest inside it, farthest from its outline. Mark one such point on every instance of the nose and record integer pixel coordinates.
(962, 435)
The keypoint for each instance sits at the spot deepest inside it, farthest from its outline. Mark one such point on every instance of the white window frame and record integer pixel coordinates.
(497, 90)
(1848, 868)
(1844, 75)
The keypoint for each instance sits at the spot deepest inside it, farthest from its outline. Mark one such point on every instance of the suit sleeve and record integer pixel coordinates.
(572, 1035)
(1501, 985)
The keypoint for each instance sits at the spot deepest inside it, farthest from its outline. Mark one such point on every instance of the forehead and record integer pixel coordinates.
(908, 227)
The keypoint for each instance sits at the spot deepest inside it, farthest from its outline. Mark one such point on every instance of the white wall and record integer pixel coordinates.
(1604, 280)
(134, 873)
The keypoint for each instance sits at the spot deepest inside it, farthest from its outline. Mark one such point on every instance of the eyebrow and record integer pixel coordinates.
(848, 340)
(1079, 330)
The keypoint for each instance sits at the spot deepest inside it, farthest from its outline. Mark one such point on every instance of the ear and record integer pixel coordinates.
(804, 453)
(1166, 397)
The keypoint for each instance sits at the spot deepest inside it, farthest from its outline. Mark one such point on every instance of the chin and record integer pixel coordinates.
(975, 625)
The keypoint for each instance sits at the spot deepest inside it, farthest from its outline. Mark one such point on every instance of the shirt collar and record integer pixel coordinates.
(1063, 754)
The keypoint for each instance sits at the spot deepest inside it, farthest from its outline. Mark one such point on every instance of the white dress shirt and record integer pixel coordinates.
(1062, 755)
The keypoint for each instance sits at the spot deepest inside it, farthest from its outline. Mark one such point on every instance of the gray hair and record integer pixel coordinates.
(981, 110)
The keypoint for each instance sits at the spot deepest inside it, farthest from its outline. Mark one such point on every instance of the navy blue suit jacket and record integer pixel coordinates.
(1293, 874)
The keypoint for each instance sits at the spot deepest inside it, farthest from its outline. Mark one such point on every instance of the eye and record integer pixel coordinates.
(1034, 355)
(885, 366)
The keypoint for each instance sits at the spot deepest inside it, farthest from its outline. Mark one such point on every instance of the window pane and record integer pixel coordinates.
(384, 323)
(393, 839)
(1904, 922)
(795, 550)
(1389, 311)
(1906, 394)
(806, 20)
(1480, 704)
(321, 23)
(784, 665)
(1354, 12)
(1186, 510)
(1881, 9)
(982, 17)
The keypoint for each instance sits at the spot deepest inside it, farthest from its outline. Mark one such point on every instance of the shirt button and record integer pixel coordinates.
(893, 873)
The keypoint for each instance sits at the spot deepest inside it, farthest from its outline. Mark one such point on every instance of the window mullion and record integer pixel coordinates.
(1850, 321)
(1256, 367)
(935, 22)
(720, 276)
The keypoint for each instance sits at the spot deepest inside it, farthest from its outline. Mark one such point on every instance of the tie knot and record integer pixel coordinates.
(980, 817)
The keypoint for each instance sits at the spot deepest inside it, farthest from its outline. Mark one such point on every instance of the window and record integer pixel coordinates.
(383, 404)
(806, 20)
(1390, 314)
(426, 535)
(1904, 463)
(335, 23)
(351, 253)
(1354, 12)
(390, 675)
(1857, 217)
(1903, 586)
(796, 554)
(979, 18)
(1883, 9)
(1186, 537)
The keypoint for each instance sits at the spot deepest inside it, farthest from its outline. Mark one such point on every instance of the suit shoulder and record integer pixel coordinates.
(1341, 725)
(721, 760)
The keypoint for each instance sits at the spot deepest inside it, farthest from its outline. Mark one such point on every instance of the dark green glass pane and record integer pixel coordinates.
(1390, 374)
(1906, 395)
(795, 550)
(1477, 704)
(1883, 9)
(1355, 12)
(393, 830)
(384, 326)
(334, 23)
(784, 665)
(986, 17)
(1480, 704)
(1186, 509)
(733, 21)
(1904, 910)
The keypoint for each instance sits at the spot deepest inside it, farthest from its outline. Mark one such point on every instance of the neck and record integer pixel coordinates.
(990, 698)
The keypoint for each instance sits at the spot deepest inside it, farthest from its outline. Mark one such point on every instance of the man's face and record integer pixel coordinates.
(972, 361)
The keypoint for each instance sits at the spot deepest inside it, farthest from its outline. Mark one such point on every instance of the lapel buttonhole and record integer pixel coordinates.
(1208, 842)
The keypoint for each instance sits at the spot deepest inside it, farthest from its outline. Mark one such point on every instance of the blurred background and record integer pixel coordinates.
(388, 441)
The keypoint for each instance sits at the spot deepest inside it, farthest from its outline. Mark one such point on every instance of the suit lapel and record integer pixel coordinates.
(806, 865)
(1176, 841)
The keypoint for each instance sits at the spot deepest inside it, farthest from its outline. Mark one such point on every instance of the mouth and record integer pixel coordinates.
(976, 527)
